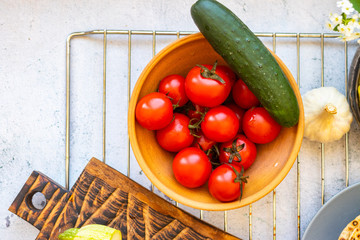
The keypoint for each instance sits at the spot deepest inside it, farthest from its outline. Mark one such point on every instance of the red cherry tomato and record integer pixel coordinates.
(176, 135)
(191, 167)
(220, 124)
(225, 184)
(239, 113)
(174, 87)
(206, 91)
(229, 72)
(242, 95)
(259, 126)
(202, 142)
(154, 111)
(240, 146)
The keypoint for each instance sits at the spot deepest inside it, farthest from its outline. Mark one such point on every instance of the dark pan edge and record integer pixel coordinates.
(353, 83)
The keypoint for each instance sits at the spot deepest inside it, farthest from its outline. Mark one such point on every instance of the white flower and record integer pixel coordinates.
(347, 22)
(346, 30)
(336, 19)
(330, 26)
(351, 37)
(346, 6)
(341, 28)
(354, 22)
(356, 25)
(342, 3)
(349, 29)
(347, 9)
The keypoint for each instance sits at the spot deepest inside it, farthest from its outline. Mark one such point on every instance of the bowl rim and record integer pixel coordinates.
(218, 206)
(353, 84)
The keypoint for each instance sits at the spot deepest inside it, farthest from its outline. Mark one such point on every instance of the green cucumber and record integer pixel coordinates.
(249, 58)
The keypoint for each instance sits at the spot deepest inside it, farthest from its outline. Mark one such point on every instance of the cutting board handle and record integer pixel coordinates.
(48, 194)
(102, 195)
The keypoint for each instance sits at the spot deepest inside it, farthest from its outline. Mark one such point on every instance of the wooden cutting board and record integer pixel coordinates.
(105, 196)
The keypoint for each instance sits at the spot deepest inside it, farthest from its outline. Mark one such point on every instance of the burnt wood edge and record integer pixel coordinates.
(117, 180)
(22, 206)
(37, 181)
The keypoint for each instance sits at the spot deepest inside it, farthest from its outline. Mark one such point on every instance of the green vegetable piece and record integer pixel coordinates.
(91, 232)
(249, 58)
(69, 234)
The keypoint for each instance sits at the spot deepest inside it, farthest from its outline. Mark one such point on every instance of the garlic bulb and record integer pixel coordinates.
(327, 114)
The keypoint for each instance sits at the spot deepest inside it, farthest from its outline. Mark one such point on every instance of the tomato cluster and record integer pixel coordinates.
(213, 122)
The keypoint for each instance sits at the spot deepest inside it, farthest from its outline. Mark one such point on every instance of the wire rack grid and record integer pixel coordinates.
(298, 41)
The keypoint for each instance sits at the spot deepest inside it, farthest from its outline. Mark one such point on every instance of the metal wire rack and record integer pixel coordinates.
(296, 39)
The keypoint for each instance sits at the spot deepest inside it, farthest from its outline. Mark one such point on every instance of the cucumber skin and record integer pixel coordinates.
(249, 58)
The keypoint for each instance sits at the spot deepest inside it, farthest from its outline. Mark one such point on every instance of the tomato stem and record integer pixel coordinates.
(216, 150)
(176, 105)
(240, 178)
(234, 151)
(210, 73)
(196, 126)
(193, 132)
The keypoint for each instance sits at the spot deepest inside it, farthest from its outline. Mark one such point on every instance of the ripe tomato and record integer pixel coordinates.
(191, 167)
(202, 89)
(154, 111)
(229, 72)
(202, 142)
(176, 135)
(259, 126)
(220, 124)
(239, 112)
(226, 184)
(242, 95)
(239, 146)
(174, 87)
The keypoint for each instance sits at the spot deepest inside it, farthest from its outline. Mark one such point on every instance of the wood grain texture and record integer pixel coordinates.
(103, 195)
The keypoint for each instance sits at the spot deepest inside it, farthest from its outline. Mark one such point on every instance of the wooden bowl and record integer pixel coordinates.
(274, 160)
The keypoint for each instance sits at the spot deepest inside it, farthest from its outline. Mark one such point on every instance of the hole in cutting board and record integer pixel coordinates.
(36, 201)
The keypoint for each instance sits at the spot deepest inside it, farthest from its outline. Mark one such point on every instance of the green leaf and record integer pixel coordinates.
(356, 5)
(343, 15)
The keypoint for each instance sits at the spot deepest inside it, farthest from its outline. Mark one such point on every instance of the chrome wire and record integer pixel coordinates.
(297, 159)
(274, 191)
(153, 54)
(178, 34)
(347, 134)
(104, 93)
(128, 98)
(322, 144)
